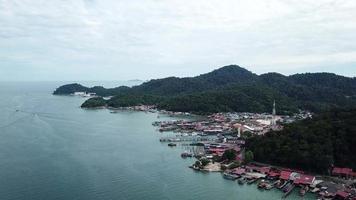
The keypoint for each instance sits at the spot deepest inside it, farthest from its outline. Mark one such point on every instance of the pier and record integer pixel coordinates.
(187, 139)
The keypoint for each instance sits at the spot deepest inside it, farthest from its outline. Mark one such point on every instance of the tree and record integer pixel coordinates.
(204, 162)
(229, 155)
(312, 144)
(248, 156)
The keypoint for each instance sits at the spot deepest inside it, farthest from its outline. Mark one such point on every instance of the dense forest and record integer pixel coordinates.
(232, 88)
(313, 144)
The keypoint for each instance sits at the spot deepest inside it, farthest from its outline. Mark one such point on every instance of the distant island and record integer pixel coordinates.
(230, 88)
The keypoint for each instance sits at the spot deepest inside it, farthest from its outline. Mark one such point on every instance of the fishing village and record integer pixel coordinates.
(218, 144)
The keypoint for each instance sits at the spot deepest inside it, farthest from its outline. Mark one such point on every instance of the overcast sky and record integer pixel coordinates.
(144, 39)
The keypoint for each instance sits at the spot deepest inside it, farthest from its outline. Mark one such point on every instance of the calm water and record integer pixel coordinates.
(52, 149)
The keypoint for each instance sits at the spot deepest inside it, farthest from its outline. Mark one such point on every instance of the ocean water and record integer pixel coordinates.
(51, 149)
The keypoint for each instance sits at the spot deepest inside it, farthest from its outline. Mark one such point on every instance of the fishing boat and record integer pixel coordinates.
(282, 184)
(276, 183)
(186, 155)
(288, 189)
(241, 181)
(262, 184)
(303, 190)
(251, 180)
(230, 176)
(195, 167)
(269, 186)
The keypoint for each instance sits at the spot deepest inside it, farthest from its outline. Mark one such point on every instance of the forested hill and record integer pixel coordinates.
(313, 144)
(232, 88)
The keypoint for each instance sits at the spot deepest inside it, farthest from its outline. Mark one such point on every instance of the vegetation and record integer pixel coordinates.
(313, 144)
(229, 155)
(94, 102)
(234, 165)
(202, 163)
(232, 88)
(249, 157)
(101, 91)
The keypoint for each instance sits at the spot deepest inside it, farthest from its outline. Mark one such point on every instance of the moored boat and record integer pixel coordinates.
(262, 184)
(269, 186)
(303, 190)
(251, 180)
(172, 144)
(241, 181)
(288, 189)
(186, 155)
(230, 176)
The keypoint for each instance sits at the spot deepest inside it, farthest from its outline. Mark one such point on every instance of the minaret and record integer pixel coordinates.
(274, 114)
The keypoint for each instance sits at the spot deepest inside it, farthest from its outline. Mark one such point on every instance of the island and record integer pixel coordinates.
(231, 88)
(307, 141)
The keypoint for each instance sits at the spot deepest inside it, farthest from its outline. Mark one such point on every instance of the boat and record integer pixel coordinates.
(276, 183)
(269, 186)
(315, 190)
(288, 189)
(195, 167)
(303, 190)
(186, 155)
(230, 176)
(251, 180)
(262, 184)
(282, 184)
(241, 181)
(172, 144)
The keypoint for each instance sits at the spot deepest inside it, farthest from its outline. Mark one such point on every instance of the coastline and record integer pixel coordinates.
(208, 168)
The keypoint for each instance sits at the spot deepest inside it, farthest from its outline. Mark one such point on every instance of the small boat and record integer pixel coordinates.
(172, 144)
(315, 190)
(261, 185)
(230, 176)
(303, 190)
(251, 180)
(186, 155)
(195, 167)
(288, 189)
(282, 184)
(241, 181)
(269, 186)
(276, 183)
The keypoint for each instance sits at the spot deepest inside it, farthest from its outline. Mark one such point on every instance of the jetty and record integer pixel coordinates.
(187, 139)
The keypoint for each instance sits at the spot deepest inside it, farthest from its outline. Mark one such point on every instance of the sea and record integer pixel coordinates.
(51, 149)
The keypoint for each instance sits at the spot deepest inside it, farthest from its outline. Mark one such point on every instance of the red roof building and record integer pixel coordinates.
(239, 171)
(342, 194)
(274, 174)
(265, 170)
(285, 175)
(337, 171)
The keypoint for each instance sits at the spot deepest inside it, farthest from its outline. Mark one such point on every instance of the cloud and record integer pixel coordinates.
(121, 39)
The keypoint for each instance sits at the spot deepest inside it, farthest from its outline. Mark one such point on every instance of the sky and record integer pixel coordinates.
(144, 39)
